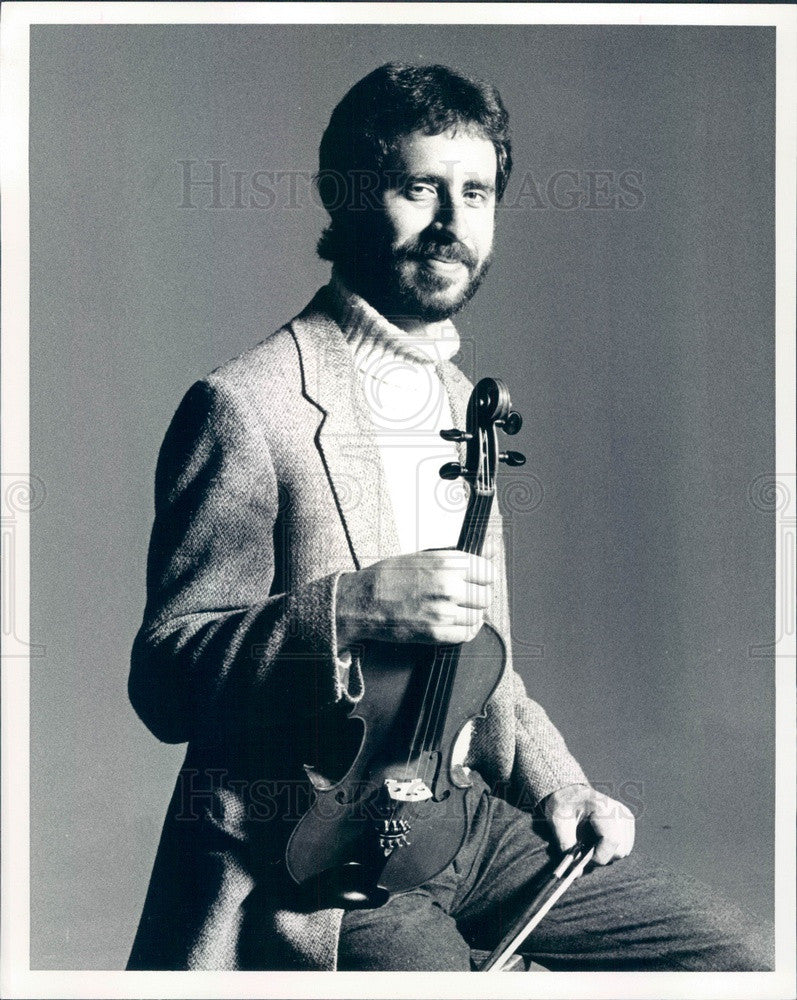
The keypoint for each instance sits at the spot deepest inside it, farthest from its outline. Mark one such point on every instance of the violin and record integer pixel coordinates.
(398, 816)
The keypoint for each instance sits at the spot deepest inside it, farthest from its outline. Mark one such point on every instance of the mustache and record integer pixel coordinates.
(452, 250)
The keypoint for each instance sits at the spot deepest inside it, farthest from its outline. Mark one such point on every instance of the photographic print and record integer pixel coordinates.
(398, 525)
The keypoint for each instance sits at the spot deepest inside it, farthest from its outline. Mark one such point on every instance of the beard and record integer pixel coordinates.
(402, 284)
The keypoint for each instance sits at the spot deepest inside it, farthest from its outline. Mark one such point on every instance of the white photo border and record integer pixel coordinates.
(16, 977)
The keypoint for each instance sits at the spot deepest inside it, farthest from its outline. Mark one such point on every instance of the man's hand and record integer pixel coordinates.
(435, 597)
(612, 822)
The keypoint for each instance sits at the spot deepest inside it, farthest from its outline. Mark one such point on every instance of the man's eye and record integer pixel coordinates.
(476, 197)
(419, 191)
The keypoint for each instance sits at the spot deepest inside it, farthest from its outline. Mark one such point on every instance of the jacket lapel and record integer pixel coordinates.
(345, 437)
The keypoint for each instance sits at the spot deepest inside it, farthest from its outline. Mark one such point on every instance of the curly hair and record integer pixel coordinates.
(393, 101)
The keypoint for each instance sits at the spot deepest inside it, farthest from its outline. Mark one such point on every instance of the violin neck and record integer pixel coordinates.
(474, 526)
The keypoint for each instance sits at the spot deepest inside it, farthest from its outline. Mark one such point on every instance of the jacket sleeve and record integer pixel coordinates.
(542, 762)
(217, 650)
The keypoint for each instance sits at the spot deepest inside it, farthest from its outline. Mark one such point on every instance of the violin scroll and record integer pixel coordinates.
(490, 407)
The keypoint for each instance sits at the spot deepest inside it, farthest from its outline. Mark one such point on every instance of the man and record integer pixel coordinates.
(298, 518)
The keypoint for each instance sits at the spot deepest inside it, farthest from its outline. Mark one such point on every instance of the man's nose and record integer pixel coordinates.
(451, 217)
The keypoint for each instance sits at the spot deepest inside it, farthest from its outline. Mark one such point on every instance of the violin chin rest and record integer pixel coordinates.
(350, 887)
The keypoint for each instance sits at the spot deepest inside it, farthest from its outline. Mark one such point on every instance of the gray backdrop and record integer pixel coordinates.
(637, 340)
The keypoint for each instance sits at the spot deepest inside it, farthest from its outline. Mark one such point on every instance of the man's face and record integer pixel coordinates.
(431, 244)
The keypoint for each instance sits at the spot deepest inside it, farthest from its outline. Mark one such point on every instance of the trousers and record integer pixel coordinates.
(624, 916)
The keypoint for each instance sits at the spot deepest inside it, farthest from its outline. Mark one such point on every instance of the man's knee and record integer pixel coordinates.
(702, 929)
(410, 933)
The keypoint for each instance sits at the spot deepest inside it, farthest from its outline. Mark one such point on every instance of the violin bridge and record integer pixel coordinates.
(408, 789)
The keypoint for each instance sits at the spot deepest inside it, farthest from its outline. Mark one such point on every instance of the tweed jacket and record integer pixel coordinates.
(269, 485)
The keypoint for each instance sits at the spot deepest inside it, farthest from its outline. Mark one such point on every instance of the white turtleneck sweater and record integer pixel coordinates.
(409, 407)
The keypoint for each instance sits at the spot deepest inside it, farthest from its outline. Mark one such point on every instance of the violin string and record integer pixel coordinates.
(418, 745)
(477, 530)
(440, 668)
(474, 545)
(470, 545)
(435, 673)
(436, 707)
(472, 542)
(414, 745)
(446, 658)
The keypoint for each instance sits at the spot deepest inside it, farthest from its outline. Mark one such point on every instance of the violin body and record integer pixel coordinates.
(345, 825)
(398, 816)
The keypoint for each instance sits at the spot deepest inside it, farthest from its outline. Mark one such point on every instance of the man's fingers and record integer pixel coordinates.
(479, 570)
(471, 569)
(615, 831)
(475, 595)
(607, 839)
(564, 827)
(450, 613)
(490, 548)
(629, 830)
(606, 851)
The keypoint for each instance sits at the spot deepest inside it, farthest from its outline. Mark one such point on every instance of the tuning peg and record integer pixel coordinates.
(512, 458)
(451, 470)
(455, 435)
(512, 424)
